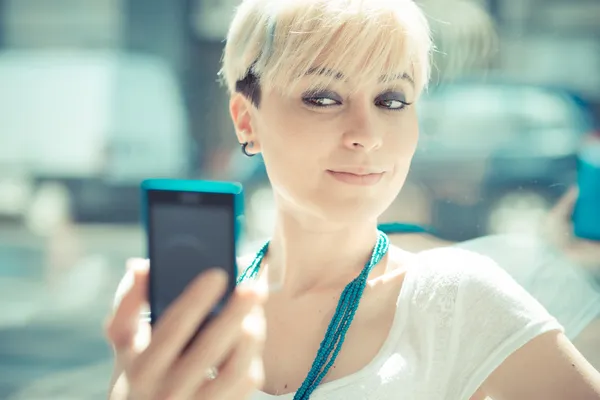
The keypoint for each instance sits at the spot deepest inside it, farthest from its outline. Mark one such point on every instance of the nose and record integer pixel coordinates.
(362, 132)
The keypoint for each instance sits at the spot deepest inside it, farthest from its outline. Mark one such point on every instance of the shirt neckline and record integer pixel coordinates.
(397, 327)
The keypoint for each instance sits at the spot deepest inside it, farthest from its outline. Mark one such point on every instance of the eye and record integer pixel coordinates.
(392, 104)
(392, 101)
(321, 99)
(320, 102)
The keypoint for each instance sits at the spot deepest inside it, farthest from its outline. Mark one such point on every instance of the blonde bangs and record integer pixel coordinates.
(364, 40)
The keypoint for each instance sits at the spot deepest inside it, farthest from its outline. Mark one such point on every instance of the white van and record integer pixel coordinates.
(94, 122)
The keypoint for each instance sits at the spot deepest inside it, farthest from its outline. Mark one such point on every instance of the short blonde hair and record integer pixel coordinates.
(279, 41)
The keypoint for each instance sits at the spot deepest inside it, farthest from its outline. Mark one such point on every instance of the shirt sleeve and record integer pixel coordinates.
(567, 291)
(494, 317)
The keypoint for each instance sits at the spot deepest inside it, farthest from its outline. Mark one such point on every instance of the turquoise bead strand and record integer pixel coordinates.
(342, 319)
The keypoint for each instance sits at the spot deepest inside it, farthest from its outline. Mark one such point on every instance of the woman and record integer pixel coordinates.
(326, 91)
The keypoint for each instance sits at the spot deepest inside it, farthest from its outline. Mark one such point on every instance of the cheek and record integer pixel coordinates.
(292, 151)
(295, 141)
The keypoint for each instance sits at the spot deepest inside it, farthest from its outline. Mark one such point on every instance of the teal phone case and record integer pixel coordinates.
(586, 215)
(197, 186)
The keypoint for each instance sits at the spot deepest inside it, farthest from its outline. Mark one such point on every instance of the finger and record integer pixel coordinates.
(243, 372)
(216, 342)
(122, 326)
(585, 253)
(176, 327)
(565, 205)
(558, 228)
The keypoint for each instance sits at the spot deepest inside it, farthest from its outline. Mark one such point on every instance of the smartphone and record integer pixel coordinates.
(586, 215)
(191, 226)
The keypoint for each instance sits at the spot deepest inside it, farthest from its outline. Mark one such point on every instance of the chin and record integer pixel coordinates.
(358, 212)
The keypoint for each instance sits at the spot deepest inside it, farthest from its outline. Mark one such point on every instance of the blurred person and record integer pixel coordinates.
(325, 90)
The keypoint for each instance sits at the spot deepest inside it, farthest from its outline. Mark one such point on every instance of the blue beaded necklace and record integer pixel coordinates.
(344, 314)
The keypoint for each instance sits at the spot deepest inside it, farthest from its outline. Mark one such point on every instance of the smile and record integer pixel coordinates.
(356, 179)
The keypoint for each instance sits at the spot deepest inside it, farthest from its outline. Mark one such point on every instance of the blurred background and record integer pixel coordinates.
(97, 95)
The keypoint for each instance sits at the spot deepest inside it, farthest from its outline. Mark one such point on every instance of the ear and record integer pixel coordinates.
(241, 110)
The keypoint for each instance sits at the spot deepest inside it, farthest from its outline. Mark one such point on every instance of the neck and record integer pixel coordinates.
(308, 256)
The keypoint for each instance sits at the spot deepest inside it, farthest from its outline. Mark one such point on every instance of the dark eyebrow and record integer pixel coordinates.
(327, 72)
(402, 76)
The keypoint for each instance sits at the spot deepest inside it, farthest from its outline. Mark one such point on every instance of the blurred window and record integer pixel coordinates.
(548, 121)
(540, 109)
(466, 119)
(511, 120)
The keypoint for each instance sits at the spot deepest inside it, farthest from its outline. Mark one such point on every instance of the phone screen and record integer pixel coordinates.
(188, 233)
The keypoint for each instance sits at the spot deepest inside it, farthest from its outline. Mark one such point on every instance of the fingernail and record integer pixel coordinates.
(136, 264)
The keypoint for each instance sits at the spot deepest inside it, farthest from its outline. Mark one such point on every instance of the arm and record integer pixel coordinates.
(548, 367)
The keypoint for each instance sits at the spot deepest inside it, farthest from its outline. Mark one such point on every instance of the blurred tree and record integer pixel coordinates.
(464, 35)
(162, 28)
(2, 22)
(155, 27)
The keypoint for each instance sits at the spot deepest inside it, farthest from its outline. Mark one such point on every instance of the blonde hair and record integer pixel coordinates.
(279, 41)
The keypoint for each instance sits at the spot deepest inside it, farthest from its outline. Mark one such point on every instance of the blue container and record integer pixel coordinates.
(586, 216)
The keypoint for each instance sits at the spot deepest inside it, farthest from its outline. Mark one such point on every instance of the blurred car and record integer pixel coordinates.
(86, 127)
(495, 155)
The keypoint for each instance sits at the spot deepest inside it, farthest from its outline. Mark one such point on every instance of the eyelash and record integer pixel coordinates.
(312, 102)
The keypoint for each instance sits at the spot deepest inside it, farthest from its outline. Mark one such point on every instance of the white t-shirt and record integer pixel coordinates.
(459, 316)
(569, 292)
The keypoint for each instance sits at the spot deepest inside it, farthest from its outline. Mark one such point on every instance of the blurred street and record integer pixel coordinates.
(51, 322)
(97, 96)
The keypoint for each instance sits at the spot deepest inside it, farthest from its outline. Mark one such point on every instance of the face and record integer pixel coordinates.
(338, 154)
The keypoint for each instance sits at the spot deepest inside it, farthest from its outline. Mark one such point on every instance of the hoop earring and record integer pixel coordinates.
(245, 149)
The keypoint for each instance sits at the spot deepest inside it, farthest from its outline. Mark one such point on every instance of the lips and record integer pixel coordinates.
(357, 178)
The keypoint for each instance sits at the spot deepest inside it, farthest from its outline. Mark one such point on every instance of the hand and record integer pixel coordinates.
(154, 365)
(559, 231)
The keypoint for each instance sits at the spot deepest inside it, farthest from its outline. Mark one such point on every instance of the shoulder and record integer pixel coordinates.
(477, 282)
(472, 292)
(455, 262)
(448, 271)
(480, 313)
(439, 273)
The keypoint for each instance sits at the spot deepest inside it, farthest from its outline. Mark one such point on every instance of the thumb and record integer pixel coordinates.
(125, 330)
